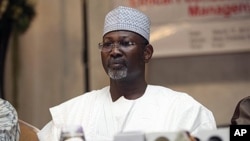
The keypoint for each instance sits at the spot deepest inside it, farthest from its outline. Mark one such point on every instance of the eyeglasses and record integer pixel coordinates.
(108, 46)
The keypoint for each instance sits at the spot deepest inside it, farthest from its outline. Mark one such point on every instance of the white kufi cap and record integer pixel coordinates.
(126, 18)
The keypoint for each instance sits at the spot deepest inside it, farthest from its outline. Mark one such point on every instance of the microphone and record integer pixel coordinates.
(168, 136)
(130, 136)
(220, 134)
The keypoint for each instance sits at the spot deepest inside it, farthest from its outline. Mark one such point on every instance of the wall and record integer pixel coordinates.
(50, 68)
(96, 15)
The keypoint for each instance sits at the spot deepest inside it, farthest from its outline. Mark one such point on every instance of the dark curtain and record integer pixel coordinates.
(5, 32)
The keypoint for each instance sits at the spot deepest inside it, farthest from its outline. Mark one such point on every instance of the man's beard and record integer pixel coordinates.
(117, 74)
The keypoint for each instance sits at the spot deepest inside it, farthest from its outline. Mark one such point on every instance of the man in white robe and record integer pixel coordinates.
(129, 103)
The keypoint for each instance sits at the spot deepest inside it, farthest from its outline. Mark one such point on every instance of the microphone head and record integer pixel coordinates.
(220, 134)
(130, 136)
(168, 136)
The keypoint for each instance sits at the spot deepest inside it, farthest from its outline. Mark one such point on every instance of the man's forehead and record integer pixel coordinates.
(121, 34)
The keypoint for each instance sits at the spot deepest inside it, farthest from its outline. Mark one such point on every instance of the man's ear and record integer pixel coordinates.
(148, 52)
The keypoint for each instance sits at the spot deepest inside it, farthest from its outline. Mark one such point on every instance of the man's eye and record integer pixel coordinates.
(107, 44)
(126, 43)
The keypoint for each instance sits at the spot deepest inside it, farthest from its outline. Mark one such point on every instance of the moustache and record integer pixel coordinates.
(117, 61)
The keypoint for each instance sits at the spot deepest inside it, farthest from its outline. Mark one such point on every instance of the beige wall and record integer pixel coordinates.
(50, 68)
(49, 59)
(96, 14)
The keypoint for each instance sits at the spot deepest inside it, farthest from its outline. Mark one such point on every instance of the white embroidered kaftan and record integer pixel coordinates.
(159, 109)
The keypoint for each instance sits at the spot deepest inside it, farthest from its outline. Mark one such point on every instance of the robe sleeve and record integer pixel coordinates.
(49, 132)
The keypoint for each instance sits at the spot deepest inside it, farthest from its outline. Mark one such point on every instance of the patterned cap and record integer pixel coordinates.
(126, 18)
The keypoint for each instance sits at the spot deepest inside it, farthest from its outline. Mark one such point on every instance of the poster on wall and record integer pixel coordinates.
(196, 27)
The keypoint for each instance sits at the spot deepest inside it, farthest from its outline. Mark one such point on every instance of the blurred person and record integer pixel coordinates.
(9, 127)
(241, 115)
(129, 103)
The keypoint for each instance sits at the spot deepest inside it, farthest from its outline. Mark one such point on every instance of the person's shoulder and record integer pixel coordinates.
(5, 103)
(245, 100)
(77, 106)
(185, 104)
(176, 97)
(84, 98)
(165, 91)
(9, 127)
(7, 110)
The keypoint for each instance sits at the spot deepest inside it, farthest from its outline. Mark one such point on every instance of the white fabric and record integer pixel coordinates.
(127, 18)
(159, 109)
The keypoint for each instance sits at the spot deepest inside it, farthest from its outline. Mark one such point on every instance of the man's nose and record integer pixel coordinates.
(115, 49)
